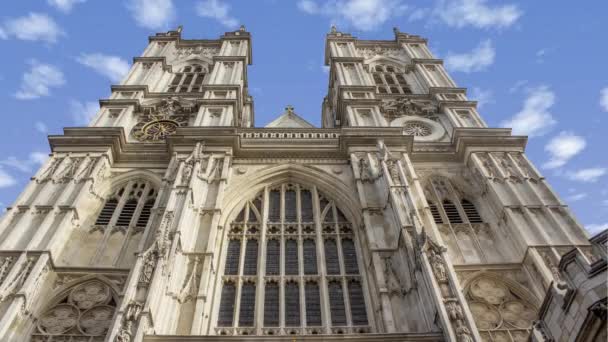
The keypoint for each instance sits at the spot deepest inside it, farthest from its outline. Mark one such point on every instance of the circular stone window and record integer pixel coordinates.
(421, 128)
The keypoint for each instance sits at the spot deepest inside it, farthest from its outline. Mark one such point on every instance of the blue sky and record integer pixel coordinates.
(537, 66)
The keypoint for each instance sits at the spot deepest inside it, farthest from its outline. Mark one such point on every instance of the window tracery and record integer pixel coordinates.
(288, 264)
(188, 80)
(389, 80)
(84, 312)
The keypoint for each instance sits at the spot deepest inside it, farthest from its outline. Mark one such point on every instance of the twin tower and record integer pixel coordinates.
(404, 218)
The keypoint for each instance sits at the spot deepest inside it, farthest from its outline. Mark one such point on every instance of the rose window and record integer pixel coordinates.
(417, 129)
(85, 310)
(154, 129)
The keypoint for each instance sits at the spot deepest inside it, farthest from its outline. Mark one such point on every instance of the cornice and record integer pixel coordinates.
(448, 90)
(427, 61)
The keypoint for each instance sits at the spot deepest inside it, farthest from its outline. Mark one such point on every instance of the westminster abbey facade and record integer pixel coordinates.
(171, 217)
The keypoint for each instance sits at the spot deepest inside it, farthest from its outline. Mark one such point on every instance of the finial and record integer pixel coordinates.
(289, 109)
(179, 29)
(396, 30)
(242, 28)
(333, 29)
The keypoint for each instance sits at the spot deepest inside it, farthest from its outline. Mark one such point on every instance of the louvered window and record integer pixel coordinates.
(357, 303)
(271, 304)
(336, 303)
(313, 304)
(332, 264)
(310, 256)
(350, 257)
(451, 212)
(435, 213)
(292, 304)
(251, 257)
(106, 213)
(291, 257)
(188, 80)
(247, 309)
(127, 213)
(387, 78)
(232, 257)
(226, 313)
(471, 211)
(273, 257)
(144, 216)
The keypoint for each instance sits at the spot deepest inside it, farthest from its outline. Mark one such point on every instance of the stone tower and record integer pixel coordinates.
(404, 218)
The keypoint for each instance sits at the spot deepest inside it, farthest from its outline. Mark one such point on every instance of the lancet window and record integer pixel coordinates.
(274, 268)
(81, 313)
(390, 80)
(469, 238)
(188, 80)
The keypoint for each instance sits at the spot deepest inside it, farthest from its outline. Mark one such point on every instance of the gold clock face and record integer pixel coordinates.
(157, 129)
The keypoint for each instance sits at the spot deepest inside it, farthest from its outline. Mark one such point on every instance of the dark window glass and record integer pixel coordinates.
(471, 211)
(252, 217)
(378, 79)
(188, 80)
(241, 216)
(291, 257)
(232, 257)
(187, 69)
(247, 307)
(451, 212)
(226, 314)
(291, 214)
(310, 256)
(106, 213)
(329, 216)
(389, 79)
(382, 90)
(350, 257)
(336, 303)
(357, 303)
(177, 79)
(306, 198)
(379, 68)
(390, 68)
(313, 304)
(394, 90)
(331, 257)
(341, 217)
(198, 68)
(127, 213)
(251, 257)
(435, 213)
(292, 304)
(144, 216)
(271, 305)
(273, 257)
(274, 213)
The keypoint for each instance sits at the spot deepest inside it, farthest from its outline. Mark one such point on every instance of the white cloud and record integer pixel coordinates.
(113, 67)
(64, 6)
(596, 228)
(25, 165)
(534, 119)
(577, 197)
(476, 13)
(83, 112)
(33, 27)
(590, 175)
(152, 14)
(518, 85)
(562, 148)
(6, 179)
(480, 58)
(41, 127)
(217, 10)
(483, 97)
(39, 80)
(364, 15)
(604, 99)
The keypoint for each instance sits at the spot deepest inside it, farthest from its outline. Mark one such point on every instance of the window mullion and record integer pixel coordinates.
(261, 288)
(321, 269)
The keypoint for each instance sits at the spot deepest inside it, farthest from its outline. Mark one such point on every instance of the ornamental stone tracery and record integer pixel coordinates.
(158, 122)
(86, 310)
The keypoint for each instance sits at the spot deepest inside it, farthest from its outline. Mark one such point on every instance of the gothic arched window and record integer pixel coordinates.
(188, 80)
(117, 229)
(451, 212)
(82, 313)
(388, 80)
(470, 211)
(301, 226)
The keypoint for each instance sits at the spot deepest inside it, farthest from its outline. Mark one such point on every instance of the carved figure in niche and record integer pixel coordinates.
(364, 170)
(438, 267)
(393, 168)
(454, 310)
(487, 164)
(147, 268)
(395, 108)
(463, 333)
